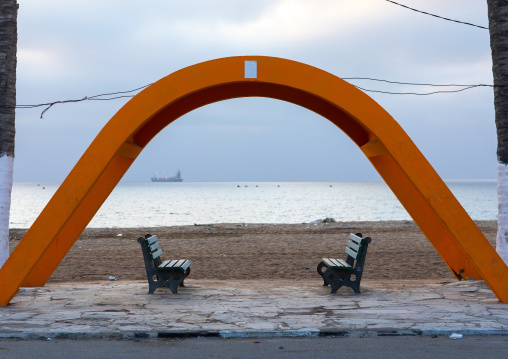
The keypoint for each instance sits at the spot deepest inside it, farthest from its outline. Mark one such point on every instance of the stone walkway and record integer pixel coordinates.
(252, 309)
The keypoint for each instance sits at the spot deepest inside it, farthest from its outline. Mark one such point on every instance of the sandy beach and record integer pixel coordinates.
(398, 250)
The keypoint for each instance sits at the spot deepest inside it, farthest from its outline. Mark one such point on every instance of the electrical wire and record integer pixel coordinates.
(464, 87)
(418, 84)
(440, 17)
(86, 98)
(417, 93)
(102, 97)
(120, 92)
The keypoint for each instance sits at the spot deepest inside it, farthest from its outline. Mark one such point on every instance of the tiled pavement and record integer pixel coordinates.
(252, 308)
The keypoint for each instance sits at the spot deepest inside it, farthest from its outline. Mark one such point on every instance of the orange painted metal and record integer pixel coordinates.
(413, 180)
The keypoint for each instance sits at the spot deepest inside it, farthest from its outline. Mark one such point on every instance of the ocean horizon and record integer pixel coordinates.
(162, 204)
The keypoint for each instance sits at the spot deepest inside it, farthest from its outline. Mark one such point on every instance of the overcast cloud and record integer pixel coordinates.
(72, 49)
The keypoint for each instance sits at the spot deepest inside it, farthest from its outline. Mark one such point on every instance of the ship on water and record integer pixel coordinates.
(176, 178)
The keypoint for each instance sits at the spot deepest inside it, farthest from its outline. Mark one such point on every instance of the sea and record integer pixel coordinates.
(161, 204)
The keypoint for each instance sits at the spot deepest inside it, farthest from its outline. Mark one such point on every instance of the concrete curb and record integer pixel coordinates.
(33, 335)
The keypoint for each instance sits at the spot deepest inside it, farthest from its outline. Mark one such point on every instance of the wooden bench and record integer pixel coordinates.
(338, 272)
(169, 273)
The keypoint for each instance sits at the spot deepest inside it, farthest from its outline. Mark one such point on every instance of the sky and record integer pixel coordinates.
(72, 49)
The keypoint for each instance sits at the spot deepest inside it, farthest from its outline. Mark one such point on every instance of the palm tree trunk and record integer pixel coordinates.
(8, 46)
(498, 25)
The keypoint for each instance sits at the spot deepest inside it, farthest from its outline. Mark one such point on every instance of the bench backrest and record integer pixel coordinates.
(154, 249)
(355, 247)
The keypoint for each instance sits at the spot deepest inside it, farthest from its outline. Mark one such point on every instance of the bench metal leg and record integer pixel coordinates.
(175, 279)
(321, 269)
(187, 272)
(338, 278)
(171, 279)
(335, 278)
(153, 284)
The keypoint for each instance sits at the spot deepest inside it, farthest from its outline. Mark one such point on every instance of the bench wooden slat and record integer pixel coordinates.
(170, 264)
(354, 246)
(351, 253)
(155, 254)
(151, 239)
(343, 263)
(355, 238)
(327, 262)
(154, 246)
(164, 264)
(179, 263)
(335, 263)
(186, 264)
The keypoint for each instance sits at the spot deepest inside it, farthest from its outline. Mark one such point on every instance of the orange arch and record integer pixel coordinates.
(399, 162)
